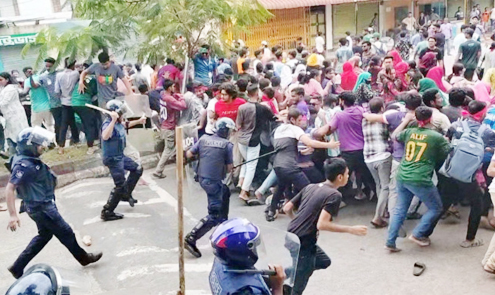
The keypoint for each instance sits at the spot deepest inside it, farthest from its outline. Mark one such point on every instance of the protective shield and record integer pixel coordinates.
(137, 104)
(283, 250)
(190, 137)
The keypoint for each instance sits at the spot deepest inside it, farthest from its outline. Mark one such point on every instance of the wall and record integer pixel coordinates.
(7, 8)
(329, 30)
(452, 7)
(34, 8)
(389, 12)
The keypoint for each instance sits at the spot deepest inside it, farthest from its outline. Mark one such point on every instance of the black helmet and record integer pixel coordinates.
(30, 138)
(40, 279)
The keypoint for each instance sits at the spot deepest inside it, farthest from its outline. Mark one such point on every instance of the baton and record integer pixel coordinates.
(252, 271)
(98, 109)
(262, 156)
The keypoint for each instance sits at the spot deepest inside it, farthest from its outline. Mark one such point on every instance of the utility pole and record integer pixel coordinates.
(466, 12)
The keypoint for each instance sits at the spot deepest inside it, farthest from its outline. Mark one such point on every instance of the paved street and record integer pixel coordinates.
(140, 251)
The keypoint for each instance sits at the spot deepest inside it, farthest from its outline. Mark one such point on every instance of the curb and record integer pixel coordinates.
(72, 171)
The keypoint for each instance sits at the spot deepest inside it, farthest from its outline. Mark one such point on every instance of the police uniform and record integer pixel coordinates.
(223, 282)
(215, 153)
(35, 184)
(118, 164)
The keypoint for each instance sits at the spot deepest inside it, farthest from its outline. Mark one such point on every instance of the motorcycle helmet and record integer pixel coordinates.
(30, 138)
(117, 106)
(223, 127)
(235, 241)
(40, 279)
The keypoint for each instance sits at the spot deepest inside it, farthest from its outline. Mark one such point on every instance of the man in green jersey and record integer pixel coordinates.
(425, 149)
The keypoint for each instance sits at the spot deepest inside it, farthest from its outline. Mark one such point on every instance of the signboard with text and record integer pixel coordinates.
(19, 39)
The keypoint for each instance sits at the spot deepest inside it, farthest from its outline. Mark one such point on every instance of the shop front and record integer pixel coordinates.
(353, 17)
(10, 51)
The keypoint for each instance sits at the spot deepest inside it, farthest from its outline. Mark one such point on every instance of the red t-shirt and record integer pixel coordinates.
(229, 110)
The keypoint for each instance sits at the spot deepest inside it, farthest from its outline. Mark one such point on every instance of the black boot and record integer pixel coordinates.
(107, 213)
(130, 184)
(90, 258)
(203, 226)
(190, 245)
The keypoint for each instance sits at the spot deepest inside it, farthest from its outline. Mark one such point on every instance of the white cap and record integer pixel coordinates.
(264, 43)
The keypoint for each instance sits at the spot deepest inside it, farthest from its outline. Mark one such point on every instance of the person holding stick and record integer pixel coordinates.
(215, 159)
(113, 144)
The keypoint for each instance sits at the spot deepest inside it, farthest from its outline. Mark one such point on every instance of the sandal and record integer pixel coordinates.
(419, 268)
(2, 208)
(471, 244)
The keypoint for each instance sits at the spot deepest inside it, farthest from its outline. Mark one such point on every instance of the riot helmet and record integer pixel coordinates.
(224, 126)
(39, 279)
(30, 138)
(235, 243)
(117, 106)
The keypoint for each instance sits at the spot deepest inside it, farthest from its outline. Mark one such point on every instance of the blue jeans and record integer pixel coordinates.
(50, 223)
(428, 195)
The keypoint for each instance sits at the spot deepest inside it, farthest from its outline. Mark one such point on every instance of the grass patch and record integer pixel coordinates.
(72, 153)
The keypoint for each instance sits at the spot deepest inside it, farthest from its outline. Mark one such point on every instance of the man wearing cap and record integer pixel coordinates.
(425, 150)
(204, 66)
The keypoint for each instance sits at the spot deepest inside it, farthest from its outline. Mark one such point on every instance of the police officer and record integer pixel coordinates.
(234, 244)
(35, 185)
(215, 159)
(113, 134)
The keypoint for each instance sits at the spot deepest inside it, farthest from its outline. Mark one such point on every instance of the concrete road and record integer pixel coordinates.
(140, 251)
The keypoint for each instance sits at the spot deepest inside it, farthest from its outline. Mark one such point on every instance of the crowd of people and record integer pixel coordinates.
(314, 133)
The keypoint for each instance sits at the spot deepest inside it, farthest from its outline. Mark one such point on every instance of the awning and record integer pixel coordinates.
(285, 4)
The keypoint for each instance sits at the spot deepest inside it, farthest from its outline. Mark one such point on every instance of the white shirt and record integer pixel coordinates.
(320, 44)
(349, 39)
(209, 122)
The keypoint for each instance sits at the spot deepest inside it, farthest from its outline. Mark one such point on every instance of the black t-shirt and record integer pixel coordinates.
(310, 201)
(435, 50)
(440, 40)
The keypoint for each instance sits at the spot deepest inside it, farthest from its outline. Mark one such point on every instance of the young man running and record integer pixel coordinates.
(317, 205)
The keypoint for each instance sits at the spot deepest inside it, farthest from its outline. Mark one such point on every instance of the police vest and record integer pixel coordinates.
(225, 283)
(39, 188)
(213, 153)
(115, 145)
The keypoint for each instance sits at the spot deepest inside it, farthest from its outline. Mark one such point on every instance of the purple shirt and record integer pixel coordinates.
(348, 125)
(393, 119)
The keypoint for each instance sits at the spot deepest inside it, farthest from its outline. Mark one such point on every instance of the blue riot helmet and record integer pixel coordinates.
(224, 126)
(30, 138)
(118, 106)
(40, 279)
(235, 241)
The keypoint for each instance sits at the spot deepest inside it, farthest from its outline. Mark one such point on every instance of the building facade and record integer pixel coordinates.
(295, 19)
(20, 21)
